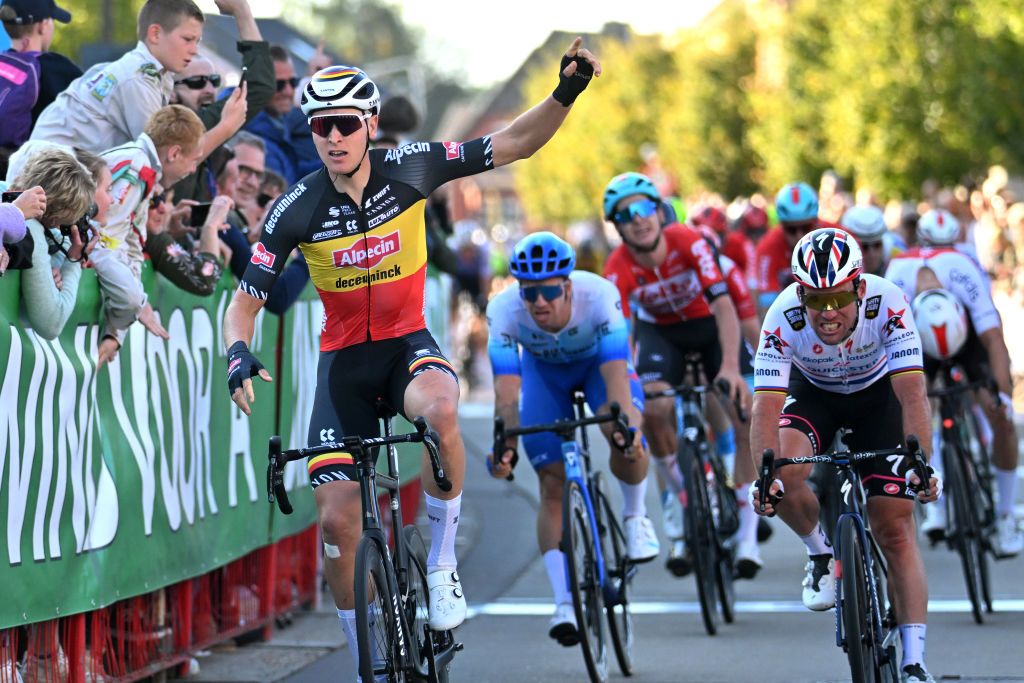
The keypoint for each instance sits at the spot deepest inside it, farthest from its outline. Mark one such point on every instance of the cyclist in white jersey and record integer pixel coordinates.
(839, 349)
(572, 333)
(938, 264)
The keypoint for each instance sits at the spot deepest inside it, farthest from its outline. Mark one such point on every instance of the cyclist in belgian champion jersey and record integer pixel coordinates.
(840, 349)
(359, 223)
(570, 327)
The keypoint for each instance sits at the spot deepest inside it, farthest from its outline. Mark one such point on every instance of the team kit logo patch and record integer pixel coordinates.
(895, 321)
(366, 254)
(773, 340)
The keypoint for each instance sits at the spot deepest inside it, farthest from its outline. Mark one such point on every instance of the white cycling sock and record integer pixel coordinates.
(554, 562)
(670, 472)
(747, 533)
(348, 625)
(912, 636)
(1006, 484)
(817, 542)
(444, 523)
(634, 496)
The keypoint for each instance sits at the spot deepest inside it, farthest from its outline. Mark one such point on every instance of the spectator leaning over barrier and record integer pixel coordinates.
(239, 234)
(168, 150)
(282, 125)
(59, 193)
(30, 24)
(111, 103)
(195, 273)
(197, 86)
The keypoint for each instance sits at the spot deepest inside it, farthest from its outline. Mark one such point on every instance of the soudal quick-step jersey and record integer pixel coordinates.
(367, 262)
(884, 343)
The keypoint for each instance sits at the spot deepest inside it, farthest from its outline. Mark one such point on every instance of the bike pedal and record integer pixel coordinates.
(459, 647)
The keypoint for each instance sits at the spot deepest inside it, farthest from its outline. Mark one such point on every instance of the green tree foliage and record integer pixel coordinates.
(92, 21)
(888, 93)
(602, 136)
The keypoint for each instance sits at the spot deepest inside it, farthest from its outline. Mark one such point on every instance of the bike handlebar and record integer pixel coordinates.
(722, 393)
(358, 447)
(769, 463)
(564, 428)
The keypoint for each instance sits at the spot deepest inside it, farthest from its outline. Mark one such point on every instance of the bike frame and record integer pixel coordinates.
(576, 458)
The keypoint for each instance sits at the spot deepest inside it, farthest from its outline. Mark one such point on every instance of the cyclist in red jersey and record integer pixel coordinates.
(797, 207)
(669, 280)
(359, 222)
(734, 243)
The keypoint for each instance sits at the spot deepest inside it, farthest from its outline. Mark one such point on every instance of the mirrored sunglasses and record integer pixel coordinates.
(345, 123)
(829, 302)
(283, 82)
(549, 292)
(641, 208)
(199, 82)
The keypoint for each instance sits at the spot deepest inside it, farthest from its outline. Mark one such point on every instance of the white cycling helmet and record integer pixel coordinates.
(340, 86)
(941, 323)
(866, 223)
(938, 226)
(826, 257)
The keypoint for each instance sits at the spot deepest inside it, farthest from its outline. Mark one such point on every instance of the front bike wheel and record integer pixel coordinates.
(417, 607)
(855, 605)
(964, 528)
(584, 580)
(700, 532)
(618, 574)
(726, 526)
(378, 629)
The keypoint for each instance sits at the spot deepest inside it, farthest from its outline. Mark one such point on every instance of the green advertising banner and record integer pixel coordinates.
(115, 482)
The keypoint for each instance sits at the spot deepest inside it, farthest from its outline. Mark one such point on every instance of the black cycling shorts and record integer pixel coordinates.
(661, 350)
(349, 383)
(873, 418)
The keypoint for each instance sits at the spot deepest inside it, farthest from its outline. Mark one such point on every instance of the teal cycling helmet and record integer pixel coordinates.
(796, 203)
(542, 255)
(624, 185)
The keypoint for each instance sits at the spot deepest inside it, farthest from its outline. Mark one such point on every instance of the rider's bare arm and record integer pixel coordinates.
(912, 392)
(616, 380)
(764, 423)
(998, 357)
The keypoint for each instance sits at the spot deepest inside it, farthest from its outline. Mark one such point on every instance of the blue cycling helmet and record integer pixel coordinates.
(796, 203)
(542, 255)
(624, 185)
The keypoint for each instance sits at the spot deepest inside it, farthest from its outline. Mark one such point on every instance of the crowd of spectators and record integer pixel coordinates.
(149, 157)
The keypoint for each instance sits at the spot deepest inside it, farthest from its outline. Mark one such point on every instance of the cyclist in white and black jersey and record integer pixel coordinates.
(839, 350)
(937, 264)
(572, 333)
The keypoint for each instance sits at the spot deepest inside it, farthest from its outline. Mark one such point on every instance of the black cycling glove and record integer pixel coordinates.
(570, 87)
(242, 365)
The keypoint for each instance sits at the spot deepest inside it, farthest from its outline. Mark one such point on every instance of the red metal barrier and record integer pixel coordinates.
(138, 637)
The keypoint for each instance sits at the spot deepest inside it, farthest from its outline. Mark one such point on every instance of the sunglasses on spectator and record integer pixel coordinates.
(549, 292)
(283, 82)
(156, 200)
(802, 228)
(641, 208)
(199, 82)
(244, 170)
(829, 302)
(345, 123)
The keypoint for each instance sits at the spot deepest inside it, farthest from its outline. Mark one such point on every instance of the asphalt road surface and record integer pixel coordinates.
(774, 638)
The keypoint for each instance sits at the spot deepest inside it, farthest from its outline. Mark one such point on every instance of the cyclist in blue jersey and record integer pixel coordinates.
(572, 333)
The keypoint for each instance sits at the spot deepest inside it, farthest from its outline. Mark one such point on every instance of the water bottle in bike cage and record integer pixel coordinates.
(570, 456)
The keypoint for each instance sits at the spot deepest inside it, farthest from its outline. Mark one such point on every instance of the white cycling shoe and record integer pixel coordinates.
(820, 583)
(447, 601)
(562, 626)
(641, 540)
(1009, 541)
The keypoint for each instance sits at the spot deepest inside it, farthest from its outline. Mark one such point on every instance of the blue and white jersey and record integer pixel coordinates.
(596, 327)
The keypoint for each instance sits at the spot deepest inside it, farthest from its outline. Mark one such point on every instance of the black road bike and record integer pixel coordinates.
(392, 598)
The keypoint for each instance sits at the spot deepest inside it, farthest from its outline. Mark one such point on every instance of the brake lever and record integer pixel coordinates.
(767, 476)
(499, 446)
(919, 465)
(275, 476)
(724, 388)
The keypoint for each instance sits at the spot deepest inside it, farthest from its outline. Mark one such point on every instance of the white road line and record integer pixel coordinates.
(534, 608)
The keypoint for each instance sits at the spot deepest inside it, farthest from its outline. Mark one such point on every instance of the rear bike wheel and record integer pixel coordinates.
(726, 525)
(584, 581)
(618, 574)
(701, 536)
(964, 528)
(417, 606)
(855, 604)
(378, 629)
